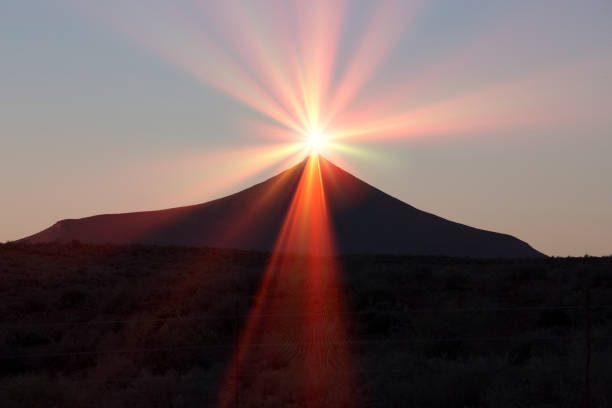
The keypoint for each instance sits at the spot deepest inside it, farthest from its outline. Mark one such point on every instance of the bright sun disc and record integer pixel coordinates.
(316, 141)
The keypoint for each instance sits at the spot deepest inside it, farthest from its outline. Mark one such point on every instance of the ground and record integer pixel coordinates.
(137, 326)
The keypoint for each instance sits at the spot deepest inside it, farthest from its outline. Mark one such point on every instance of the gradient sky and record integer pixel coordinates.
(114, 106)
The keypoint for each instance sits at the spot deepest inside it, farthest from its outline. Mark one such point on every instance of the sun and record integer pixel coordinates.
(316, 141)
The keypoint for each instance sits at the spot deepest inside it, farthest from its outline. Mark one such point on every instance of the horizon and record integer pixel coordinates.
(493, 116)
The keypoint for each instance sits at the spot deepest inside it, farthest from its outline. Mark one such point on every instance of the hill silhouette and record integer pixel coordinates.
(364, 220)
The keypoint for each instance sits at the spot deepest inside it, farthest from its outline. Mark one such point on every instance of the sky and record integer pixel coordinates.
(494, 114)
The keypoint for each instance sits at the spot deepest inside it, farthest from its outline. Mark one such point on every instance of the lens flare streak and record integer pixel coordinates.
(299, 314)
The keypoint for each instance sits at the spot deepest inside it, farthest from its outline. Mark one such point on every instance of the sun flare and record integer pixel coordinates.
(316, 141)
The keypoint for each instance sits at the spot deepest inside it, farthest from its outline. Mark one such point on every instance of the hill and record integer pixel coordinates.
(364, 220)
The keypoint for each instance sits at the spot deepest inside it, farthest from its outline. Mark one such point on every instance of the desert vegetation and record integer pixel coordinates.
(146, 326)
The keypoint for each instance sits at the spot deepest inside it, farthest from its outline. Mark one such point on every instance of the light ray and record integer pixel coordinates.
(315, 306)
(287, 61)
(215, 173)
(377, 40)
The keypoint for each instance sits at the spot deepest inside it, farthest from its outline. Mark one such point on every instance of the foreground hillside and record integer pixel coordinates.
(85, 325)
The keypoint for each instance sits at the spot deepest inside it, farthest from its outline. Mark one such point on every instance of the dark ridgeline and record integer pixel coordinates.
(366, 221)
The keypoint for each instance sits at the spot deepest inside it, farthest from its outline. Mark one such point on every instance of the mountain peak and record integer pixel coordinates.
(362, 219)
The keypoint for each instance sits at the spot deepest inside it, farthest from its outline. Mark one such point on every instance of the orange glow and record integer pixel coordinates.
(298, 318)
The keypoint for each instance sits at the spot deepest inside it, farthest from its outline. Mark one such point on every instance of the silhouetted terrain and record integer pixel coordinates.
(365, 220)
(147, 326)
